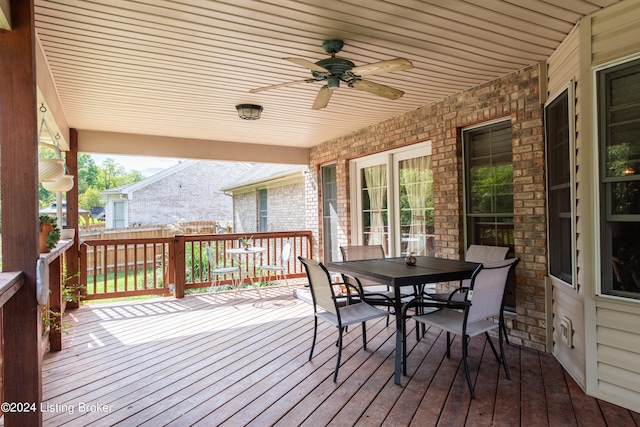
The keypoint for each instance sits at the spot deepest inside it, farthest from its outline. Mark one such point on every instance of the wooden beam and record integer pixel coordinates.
(22, 366)
(200, 149)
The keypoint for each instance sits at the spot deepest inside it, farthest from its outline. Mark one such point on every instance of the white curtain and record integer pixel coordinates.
(376, 182)
(418, 182)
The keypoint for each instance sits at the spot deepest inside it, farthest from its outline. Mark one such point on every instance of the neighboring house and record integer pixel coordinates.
(53, 211)
(269, 197)
(189, 191)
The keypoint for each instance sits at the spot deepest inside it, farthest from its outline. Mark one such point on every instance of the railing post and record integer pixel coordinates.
(55, 304)
(179, 263)
(83, 272)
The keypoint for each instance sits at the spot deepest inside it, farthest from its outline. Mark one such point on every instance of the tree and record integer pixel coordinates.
(87, 173)
(110, 174)
(89, 199)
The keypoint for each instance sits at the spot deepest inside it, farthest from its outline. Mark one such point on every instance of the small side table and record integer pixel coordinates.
(250, 254)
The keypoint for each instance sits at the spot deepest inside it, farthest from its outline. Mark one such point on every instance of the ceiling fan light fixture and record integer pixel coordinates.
(333, 82)
(249, 111)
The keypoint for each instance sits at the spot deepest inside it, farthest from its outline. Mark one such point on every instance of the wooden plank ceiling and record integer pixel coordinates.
(178, 67)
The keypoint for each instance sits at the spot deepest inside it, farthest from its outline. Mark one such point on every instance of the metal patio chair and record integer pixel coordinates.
(476, 313)
(280, 269)
(327, 308)
(216, 271)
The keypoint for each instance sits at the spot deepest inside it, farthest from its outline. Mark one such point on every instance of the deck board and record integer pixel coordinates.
(244, 361)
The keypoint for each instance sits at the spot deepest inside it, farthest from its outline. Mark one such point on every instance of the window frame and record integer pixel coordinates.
(262, 220)
(569, 89)
(329, 236)
(465, 180)
(603, 250)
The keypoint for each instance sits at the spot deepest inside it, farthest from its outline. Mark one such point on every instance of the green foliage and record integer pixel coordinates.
(54, 236)
(491, 189)
(87, 173)
(45, 197)
(90, 198)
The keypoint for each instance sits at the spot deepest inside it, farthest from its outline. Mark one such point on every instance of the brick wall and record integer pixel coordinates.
(285, 208)
(191, 194)
(514, 96)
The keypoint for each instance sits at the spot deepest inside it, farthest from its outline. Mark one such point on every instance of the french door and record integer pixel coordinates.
(392, 196)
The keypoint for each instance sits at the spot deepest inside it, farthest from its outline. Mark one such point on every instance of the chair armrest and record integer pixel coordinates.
(431, 303)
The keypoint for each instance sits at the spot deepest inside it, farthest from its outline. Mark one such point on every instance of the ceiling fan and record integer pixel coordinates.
(334, 70)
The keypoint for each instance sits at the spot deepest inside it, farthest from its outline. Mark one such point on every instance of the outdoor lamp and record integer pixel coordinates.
(249, 111)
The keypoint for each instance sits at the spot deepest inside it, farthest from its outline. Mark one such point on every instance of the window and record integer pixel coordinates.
(394, 201)
(489, 185)
(558, 131)
(262, 210)
(330, 213)
(619, 147)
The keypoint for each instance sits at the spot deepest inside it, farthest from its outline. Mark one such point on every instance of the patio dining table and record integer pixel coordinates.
(396, 273)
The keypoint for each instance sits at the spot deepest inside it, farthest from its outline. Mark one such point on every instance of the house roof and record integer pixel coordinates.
(263, 173)
(164, 78)
(130, 188)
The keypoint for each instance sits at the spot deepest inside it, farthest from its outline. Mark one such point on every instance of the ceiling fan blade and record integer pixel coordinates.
(307, 64)
(322, 99)
(377, 89)
(260, 89)
(398, 64)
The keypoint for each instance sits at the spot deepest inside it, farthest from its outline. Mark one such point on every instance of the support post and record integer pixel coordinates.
(22, 366)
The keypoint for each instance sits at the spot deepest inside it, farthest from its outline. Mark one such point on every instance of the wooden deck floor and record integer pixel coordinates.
(236, 362)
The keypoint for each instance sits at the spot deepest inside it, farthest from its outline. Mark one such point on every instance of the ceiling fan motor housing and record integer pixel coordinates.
(338, 68)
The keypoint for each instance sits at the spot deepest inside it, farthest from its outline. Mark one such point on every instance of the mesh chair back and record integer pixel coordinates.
(212, 262)
(320, 284)
(357, 253)
(286, 252)
(482, 253)
(488, 289)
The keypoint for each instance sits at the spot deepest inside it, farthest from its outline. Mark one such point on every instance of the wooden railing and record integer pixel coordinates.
(50, 313)
(10, 283)
(166, 266)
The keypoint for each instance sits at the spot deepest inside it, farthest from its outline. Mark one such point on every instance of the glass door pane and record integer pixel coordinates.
(416, 206)
(375, 213)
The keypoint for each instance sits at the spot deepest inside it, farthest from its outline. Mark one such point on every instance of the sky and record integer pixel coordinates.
(147, 166)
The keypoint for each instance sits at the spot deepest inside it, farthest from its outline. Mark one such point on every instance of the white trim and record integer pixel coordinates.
(571, 98)
(595, 175)
(391, 159)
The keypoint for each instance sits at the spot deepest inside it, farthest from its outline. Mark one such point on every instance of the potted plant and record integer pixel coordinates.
(49, 233)
(245, 242)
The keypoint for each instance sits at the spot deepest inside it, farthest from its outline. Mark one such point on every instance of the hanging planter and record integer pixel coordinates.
(65, 183)
(50, 170)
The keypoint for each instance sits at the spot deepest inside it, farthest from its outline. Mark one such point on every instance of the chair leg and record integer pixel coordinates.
(465, 345)
(315, 333)
(503, 325)
(364, 336)
(215, 287)
(502, 356)
(335, 374)
(404, 346)
(448, 345)
(495, 353)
